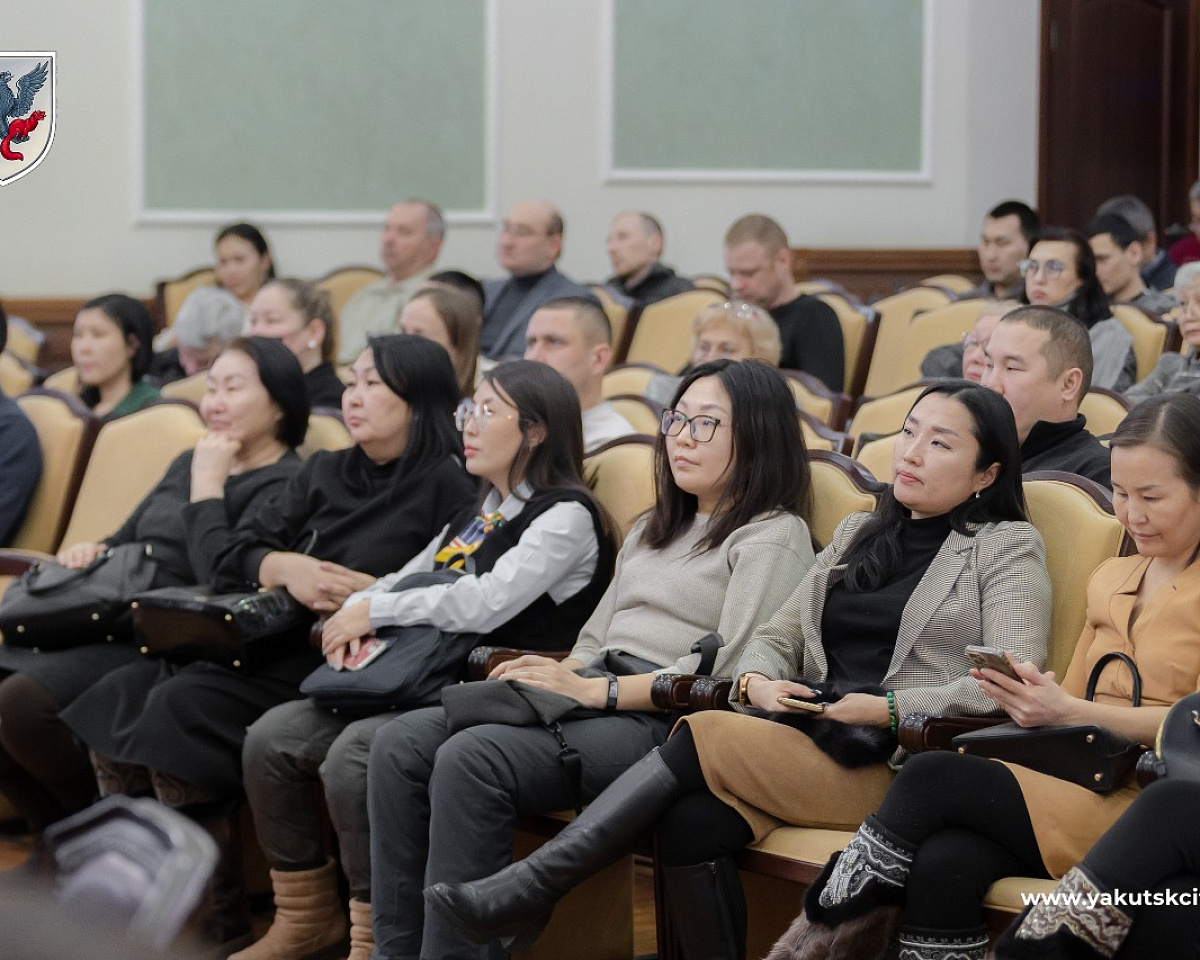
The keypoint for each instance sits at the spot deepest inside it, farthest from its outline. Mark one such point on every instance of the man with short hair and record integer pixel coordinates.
(1040, 360)
(573, 336)
(759, 262)
(409, 247)
(529, 244)
(20, 458)
(1009, 231)
(1119, 256)
(1157, 269)
(635, 245)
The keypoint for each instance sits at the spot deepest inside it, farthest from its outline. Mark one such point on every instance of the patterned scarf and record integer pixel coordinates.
(454, 555)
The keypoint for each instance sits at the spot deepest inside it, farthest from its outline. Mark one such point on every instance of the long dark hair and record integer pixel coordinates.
(1169, 422)
(134, 320)
(420, 373)
(253, 236)
(283, 379)
(1089, 304)
(876, 551)
(542, 397)
(769, 469)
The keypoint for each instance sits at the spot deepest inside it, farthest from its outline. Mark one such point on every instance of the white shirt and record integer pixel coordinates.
(601, 424)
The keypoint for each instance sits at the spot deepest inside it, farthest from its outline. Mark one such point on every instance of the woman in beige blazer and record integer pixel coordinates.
(877, 626)
(951, 824)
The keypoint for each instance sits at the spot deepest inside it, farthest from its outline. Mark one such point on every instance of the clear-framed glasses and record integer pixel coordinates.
(702, 428)
(520, 230)
(1051, 268)
(972, 342)
(481, 413)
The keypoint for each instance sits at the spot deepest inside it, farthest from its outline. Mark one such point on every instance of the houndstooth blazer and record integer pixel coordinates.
(991, 588)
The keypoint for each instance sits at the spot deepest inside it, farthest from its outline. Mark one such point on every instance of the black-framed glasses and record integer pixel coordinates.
(1051, 268)
(702, 428)
(481, 413)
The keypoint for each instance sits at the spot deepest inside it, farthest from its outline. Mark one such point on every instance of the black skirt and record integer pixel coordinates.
(66, 673)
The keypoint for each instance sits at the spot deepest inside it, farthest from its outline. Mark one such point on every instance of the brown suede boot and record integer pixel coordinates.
(362, 936)
(309, 923)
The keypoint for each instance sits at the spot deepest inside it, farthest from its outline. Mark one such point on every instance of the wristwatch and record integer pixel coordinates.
(611, 705)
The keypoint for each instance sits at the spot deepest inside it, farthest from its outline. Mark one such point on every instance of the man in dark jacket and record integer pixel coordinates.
(635, 245)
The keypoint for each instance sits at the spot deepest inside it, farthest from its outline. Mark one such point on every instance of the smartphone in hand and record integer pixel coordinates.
(368, 650)
(993, 658)
(809, 705)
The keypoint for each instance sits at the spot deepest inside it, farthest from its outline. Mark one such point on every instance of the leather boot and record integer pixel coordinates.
(515, 904)
(708, 909)
(224, 921)
(362, 937)
(942, 944)
(308, 920)
(1064, 927)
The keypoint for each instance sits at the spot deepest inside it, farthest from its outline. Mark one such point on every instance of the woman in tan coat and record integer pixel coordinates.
(952, 824)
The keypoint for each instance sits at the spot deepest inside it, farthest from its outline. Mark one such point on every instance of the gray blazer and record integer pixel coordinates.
(503, 338)
(1175, 373)
(990, 589)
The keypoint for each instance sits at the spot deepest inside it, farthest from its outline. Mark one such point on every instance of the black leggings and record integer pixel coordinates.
(968, 820)
(697, 827)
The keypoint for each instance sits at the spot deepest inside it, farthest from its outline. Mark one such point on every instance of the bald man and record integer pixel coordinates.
(635, 245)
(409, 247)
(529, 244)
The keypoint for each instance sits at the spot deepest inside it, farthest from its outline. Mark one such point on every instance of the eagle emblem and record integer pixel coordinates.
(22, 143)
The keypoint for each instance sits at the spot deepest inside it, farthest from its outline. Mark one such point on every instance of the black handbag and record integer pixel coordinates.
(1087, 755)
(1177, 746)
(51, 607)
(417, 664)
(239, 630)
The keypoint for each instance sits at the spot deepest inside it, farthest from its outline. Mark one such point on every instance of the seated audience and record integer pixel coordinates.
(1157, 269)
(1040, 360)
(734, 330)
(952, 823)
(450, 319)
(256, 411)
(111, 347)
(457, 280)
(208, 321)
(345, 518)
(1061, 272)
(1178, 372)
(298, 313)
(874, 630)
(759, 262)
(20, 458)
(542, 558)
(720, 550)
(409, 247)
(967, 359)
(529, 244)
(1187, 250)
(1009, 232)
(1118, 253)
(244, 263)
(573, 336)
(635, 246)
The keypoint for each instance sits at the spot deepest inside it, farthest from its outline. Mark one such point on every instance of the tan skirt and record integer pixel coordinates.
(772, 774)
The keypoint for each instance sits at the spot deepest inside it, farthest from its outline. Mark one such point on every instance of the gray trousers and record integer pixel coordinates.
(286, 751)
(445, 809)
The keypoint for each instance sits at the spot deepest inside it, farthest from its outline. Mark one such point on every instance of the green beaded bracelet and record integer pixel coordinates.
(893, 718)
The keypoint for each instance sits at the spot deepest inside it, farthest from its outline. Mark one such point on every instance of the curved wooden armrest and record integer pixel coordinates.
(1149, 768)
(483, 660)
(13, 563)
(710, 693)
(314, 634)
(919, 732)
(670, 691)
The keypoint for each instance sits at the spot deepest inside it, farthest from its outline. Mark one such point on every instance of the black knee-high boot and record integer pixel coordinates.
(515, 904)
(1067, 927)
(708, 909)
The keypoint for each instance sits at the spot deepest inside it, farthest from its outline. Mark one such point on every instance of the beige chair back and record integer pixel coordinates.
(895, 314)
(1149, 336)
(954, 283)
(840, 488)
(644, 416)
(170, 294)
(859, 328)
(935, 328)
(343, 283)
(622, 475)
(814, 440)
(15, 377)
(66, 431)
(883, 415)
(129, 458)
(66, 381)
(617, 315)
(24, 340)
(876, 457)
(627, 379)
(1076, 521)
(810, 398)
(189, 388)
(710, 281)
(326, 431)
(1104, 410)
(663, 335)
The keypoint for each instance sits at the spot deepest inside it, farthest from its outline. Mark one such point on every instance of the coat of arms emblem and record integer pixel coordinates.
(27, 112)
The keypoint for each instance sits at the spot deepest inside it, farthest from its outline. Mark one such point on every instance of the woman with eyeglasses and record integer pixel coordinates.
(967, 359)
(536, 556)
(722, 547)
(1061, 272)
(343, 519)
(874, 632)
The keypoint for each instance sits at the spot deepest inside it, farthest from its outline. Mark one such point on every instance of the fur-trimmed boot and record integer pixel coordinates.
(854, 907)
(1064, 926)
(308, 923)
(708, 909)
(362, 936)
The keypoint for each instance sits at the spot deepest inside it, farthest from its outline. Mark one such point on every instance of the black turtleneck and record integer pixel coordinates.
(858, 630)
(1066, 446)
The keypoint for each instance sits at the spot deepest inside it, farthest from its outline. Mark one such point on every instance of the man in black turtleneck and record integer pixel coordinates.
(1040, 360)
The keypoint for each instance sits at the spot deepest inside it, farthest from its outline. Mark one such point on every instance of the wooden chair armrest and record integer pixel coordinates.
(13, 563)
(671, 691)
(483, 660)
(710, 693)
(314, 634)
(1149, 768)
(919, 732)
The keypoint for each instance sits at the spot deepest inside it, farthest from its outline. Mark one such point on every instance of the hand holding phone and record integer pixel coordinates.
(370, 648)
(808, 705)
(993, 658)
